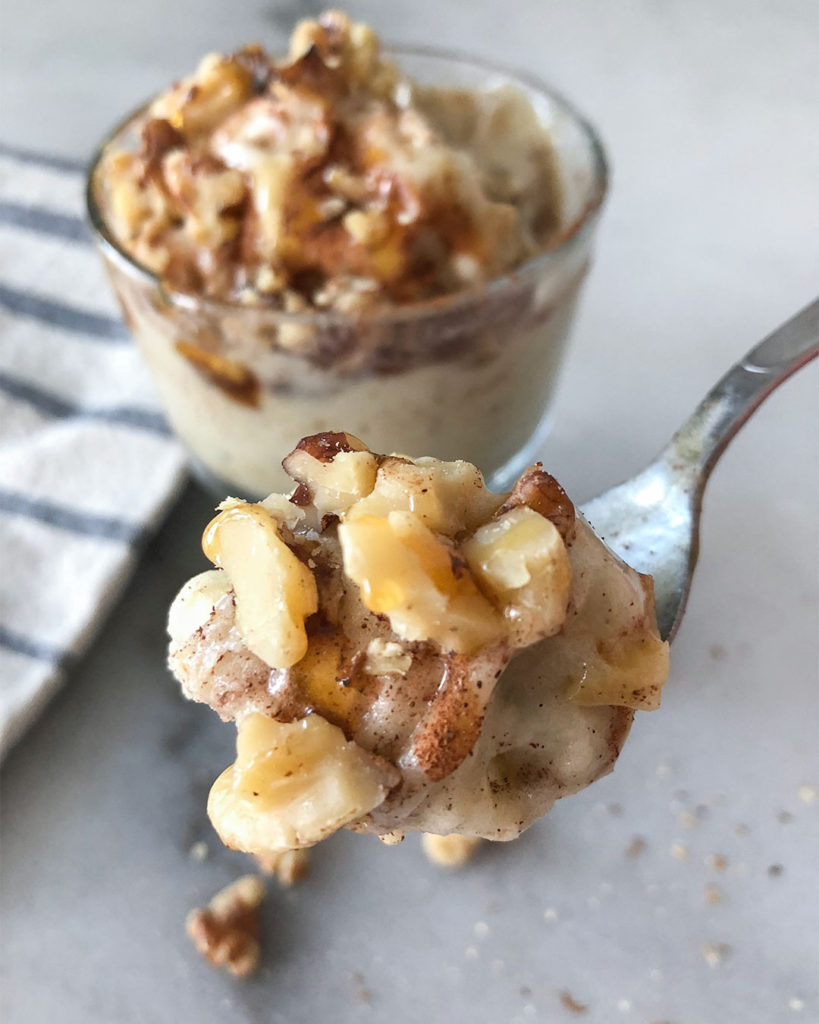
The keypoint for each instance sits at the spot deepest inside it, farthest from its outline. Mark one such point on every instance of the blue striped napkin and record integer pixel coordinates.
(88, 466)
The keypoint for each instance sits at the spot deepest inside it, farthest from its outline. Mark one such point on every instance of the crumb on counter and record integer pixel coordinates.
(636, 846)
(451, 851)
(226, 931)
(712, 895)
(716, 861)
(362, 993)
(572, 1004)
(715, 954)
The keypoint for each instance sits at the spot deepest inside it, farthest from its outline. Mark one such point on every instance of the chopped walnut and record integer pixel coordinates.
(255, 177)
(293, 784)
(226, 932)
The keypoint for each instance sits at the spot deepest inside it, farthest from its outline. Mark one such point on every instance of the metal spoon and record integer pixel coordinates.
(653, 520)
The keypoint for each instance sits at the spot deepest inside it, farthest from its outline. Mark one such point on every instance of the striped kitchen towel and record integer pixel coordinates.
(87, 464)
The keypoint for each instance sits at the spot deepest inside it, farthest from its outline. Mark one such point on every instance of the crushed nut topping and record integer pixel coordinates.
(329, 179)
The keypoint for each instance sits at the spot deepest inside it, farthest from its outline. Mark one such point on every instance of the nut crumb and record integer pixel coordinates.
(572, 1004)
(287, 866)
(362, 993)
(686, 819)
(807, 794)
(716, 953)
(716, 861)
(712, 895)
(740, 829)
(775, 870)
(385, 656)
(678, 851)
(636, 847)
(784, 817)
(451, 851)
(796, 1004)
(226, 932)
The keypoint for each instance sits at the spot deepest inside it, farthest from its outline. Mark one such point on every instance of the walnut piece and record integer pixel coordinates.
(406, 572)
(293, 784)
(521, 560)
(275, 592)
(226, 931)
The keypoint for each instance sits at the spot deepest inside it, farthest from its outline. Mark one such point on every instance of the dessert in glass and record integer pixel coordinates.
(402, 649)
(392, 240)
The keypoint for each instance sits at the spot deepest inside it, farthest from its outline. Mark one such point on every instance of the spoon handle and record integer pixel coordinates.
(696, 446)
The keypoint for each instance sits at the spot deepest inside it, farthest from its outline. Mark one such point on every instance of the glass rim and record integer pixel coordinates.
(460, 300)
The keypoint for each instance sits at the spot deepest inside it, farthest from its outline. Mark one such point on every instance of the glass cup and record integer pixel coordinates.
(466, 376)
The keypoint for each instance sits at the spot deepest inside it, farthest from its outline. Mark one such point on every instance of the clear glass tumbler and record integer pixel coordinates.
(467, 376)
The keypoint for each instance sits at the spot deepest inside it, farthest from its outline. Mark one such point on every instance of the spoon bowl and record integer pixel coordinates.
(652, 520)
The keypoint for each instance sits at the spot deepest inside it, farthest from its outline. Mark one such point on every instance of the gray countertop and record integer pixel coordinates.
(709, 241)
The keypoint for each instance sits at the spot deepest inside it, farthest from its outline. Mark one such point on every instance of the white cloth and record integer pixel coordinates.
(87, 464)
